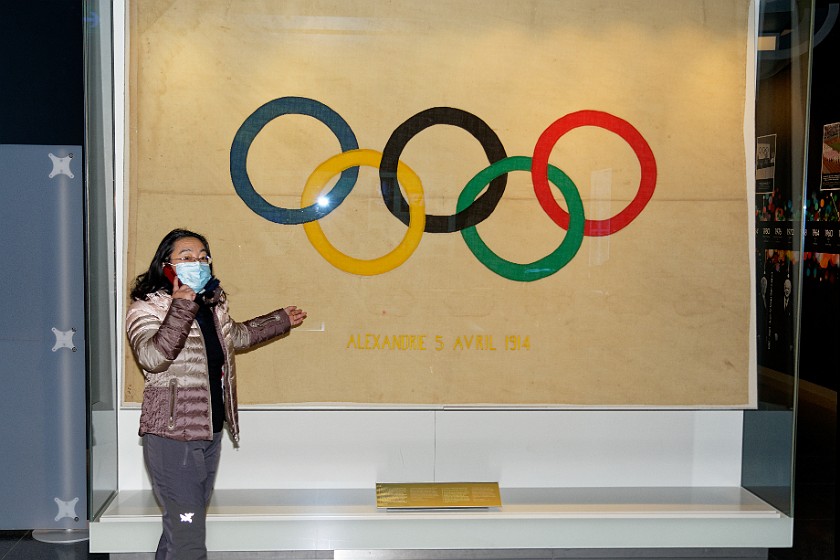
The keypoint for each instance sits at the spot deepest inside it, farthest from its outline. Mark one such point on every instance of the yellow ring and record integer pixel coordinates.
(409, 181)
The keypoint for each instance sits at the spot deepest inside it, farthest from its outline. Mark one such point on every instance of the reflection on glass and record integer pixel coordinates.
(782, 100)
(99, 151)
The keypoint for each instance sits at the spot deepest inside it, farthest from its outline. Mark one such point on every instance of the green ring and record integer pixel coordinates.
(540, 268)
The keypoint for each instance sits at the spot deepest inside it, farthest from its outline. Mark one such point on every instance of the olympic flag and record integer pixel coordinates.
(478, 202)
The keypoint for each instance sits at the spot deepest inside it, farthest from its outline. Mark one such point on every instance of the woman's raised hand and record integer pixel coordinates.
(296, 315)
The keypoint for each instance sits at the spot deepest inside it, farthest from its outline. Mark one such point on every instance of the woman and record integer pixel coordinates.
(184, 340)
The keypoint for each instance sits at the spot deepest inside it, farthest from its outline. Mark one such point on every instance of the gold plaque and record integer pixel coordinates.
(436, 495)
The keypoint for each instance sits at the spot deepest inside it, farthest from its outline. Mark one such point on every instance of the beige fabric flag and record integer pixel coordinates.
(617, 273)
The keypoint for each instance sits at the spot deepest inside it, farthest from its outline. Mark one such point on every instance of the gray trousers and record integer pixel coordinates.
(183, 474)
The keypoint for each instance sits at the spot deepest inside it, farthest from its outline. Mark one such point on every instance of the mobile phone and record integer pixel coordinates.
(169, 272)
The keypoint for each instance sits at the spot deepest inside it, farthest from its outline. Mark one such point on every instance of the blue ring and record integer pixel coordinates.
(249, 130)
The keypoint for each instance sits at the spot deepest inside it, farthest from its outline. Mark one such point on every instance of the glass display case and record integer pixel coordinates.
(101, 256)
(786, 33)
(694, 451)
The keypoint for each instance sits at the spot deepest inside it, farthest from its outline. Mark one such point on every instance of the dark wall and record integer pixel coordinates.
(778, 256)
(42, 72)
(821, 279)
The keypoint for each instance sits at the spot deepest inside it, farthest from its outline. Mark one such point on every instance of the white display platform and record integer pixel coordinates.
(254, 520)
(305, 481)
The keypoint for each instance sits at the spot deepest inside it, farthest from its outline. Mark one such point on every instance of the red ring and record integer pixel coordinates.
(539, 170)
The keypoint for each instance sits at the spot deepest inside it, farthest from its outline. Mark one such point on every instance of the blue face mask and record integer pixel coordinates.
(194, 274)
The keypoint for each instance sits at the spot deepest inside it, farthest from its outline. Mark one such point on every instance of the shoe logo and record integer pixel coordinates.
(187, 517)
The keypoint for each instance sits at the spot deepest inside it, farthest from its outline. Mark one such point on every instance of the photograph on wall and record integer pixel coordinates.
(765, 163)
(830, 172)
(477, 202)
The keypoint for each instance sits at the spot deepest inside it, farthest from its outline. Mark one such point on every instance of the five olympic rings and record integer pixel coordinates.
(471, 208)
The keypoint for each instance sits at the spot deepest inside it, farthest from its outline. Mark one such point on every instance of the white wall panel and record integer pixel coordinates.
(357, 448)
(590, 448)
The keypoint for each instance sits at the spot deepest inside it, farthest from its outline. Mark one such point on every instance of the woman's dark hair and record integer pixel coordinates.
(153, 280)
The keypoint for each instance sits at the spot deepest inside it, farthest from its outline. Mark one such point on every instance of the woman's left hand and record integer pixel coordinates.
(296, 315)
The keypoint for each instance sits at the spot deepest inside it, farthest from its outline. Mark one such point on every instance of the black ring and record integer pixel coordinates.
(473, 214)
